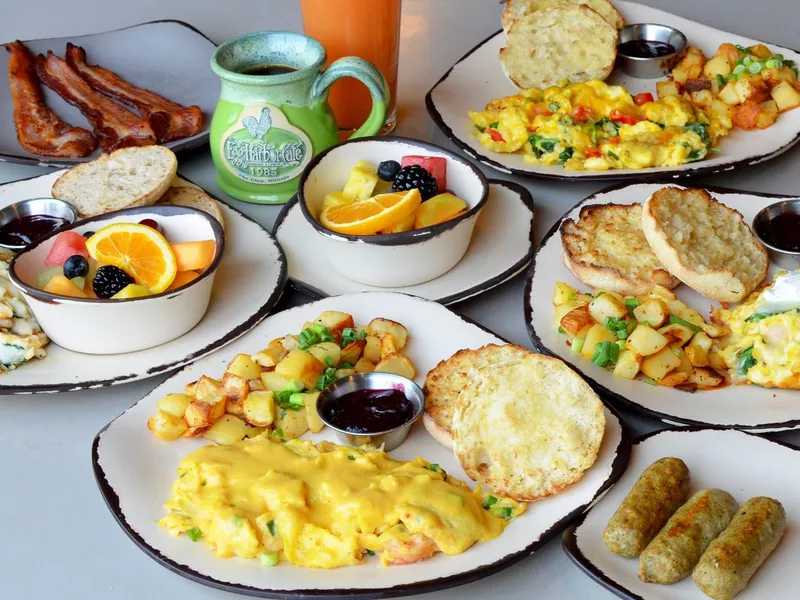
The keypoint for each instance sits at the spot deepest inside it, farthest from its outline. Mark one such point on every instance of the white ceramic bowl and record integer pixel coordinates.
(397, 259)
(115, 326)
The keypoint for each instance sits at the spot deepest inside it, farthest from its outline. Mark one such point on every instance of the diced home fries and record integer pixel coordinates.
(655, 336)
(276, 389)
(747, 87)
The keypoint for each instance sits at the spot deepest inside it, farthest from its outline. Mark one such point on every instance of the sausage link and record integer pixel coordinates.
(658, 493)
(732, 559)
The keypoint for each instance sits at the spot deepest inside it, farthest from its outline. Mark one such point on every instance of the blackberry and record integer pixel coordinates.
(110, 280)
(388, 169)
(414, 176)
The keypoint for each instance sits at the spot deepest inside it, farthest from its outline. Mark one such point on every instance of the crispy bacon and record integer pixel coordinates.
(169, 120)
(39, 130)
(114, 126)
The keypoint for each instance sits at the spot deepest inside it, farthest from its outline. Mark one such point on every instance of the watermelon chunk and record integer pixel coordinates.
(435, 165)
(65, 245)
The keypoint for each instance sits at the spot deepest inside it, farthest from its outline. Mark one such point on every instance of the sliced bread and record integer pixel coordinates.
(527, 429)
(125, 178)
(192, 197)
(704, 243)
(567, 42)
(516, 9)
(606, 249)
(445, 382)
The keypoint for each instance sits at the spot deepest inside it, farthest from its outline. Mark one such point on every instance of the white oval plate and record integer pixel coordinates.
(742, 464)
(478, 78)
(248, 283)
(742, 407)
(135, 471)
(501, 247)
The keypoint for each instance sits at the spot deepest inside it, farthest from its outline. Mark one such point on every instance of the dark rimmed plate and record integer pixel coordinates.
(478, 78)
(134, 471)
(246, 287)
(745, 465)
(168, 57)
(748, 407)
(490, 260)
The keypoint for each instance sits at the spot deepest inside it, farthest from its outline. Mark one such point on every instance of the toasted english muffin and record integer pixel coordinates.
(567, 42)
(704, 243)
(527, 429)
(516, 9)
(125, 178)
(606, 249)
(187, 195)
(445, 382)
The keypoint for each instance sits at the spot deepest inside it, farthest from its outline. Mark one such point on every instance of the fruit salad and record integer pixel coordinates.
(392, 198)
(122, 261)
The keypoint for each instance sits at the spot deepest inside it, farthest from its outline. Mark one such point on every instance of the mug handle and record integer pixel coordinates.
(366, 73)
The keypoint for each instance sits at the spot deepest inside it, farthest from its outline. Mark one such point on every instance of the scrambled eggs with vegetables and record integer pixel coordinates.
(764, 347)
(594, 126)
(326, 506)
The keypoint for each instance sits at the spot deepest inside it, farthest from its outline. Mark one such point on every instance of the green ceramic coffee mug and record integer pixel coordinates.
(273, 113)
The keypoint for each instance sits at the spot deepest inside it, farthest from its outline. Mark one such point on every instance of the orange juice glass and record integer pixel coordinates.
(366, 28)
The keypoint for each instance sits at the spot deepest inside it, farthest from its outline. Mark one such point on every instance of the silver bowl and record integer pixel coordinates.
(785, 259)
(650, 68)
(36, 206)
(389, 439)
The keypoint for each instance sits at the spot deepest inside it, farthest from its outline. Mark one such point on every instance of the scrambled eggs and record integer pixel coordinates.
(764, 347)
(594, 126)
(326, 506)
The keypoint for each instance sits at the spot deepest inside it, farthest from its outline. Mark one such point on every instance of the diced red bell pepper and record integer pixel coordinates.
(581, 113)
(614, 140)
(617, 116)
(593, 152)
(642, 98)
(435, 165)
(495, 135)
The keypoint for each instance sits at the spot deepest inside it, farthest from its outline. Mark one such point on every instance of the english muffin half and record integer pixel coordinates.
(527, 429)
(516, 9)
(444, 383)
(606, 249)
(704, 243)
(567, 42)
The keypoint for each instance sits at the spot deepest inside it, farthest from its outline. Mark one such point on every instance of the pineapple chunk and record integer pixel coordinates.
(361, 182)
(335, 199)
(438, 209)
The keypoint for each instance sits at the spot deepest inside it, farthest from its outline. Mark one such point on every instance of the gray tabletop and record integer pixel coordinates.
(58, 538)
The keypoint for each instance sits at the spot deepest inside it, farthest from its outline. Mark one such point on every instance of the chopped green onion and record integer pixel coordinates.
(572, 296)
(746, 361)
(754, 67)
(501, 512)
(494, 125)
(351, 457)
(631, 303)
(297, 400)
(678, 321)
(605, 354)
(612, 155)
(273, 530)
(649, 382)
(770, 64)
(278, 433)
(553, 106)
(561, 329)
(621, 344)
(434, 467)
(349, 335)
(617, 326)
(479, 128)
(720, 80)
(369, 552)
(566, 154)
(743, 50)
(598, 294)
(269, 559)
(715, 150)
(577, 345)
(747, 61)
(739, 69)
(329, 361)
(194, 533)
(491, 500)
(777, 56)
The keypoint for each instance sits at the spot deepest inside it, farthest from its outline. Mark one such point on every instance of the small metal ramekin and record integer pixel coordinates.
(785, 259)
(390, 439)
(36, 206)
(650, 68)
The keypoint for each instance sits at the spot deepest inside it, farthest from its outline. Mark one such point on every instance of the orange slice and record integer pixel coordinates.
(138, 250)
(370, 216)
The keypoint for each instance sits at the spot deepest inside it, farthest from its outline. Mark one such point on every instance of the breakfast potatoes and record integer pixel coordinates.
(275, 390)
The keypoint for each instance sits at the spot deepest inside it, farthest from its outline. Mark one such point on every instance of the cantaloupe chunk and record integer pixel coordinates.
(182, 278)
(194, 256)
(438, 209)
(61, 286)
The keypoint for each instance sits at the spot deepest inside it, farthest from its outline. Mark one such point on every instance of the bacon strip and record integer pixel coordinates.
(40, 130)
(169, 120)
(113, 125)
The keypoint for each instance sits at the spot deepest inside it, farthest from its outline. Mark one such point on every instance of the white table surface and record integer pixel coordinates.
(57, 539)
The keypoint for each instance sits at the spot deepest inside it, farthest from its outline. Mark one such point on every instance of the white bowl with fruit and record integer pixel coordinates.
(123, 281)
(391, 212)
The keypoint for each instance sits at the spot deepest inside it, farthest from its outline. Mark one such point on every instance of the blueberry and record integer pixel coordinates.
(76, 266)
(388, 169)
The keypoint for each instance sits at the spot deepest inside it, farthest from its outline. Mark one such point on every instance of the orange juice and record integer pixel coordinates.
(366, 28)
